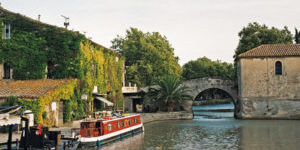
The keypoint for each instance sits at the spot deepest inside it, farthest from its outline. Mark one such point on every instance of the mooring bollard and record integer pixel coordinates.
(17, 144)
(121, 136)
(64, 145)
(99, 144)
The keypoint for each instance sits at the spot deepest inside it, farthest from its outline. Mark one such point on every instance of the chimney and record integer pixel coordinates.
(39, 17)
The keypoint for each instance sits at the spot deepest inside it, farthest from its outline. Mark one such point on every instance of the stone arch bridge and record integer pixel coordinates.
(196, 86)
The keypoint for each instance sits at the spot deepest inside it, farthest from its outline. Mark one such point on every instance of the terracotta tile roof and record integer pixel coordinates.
(29, 88)
(273, 50)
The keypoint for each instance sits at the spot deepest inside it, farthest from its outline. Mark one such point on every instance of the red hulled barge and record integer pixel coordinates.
(108, 129)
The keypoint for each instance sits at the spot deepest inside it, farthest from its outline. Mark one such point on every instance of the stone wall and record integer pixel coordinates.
(262, 94)
(269, 109)
(181, 115)
(127, 104)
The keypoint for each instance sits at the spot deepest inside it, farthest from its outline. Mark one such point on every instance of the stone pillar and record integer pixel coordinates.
(187, 105)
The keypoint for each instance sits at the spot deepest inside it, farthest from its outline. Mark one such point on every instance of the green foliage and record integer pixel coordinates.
(10, 101)
(75, 107)
(24, 56)
(169, 92)
(103, 69)
(297, 36)
(34, 106)
(204, 67)
(255, 34)
(149, 56)
(67, 111)
(33, 44)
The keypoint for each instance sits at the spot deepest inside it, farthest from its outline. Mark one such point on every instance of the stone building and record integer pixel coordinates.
(269, 82)
(32, 51)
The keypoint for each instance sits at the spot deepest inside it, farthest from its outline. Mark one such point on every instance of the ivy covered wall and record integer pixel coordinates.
(34, 44)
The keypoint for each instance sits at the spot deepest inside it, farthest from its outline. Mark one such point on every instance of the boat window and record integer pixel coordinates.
(135, 120)
(109, 127)
(118, 124)
(129, 121)
(123, 124)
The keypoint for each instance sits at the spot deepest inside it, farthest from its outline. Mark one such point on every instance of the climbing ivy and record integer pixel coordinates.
(33, 44)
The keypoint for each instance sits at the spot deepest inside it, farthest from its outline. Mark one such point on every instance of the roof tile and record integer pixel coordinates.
(29, 88)
(273, 50)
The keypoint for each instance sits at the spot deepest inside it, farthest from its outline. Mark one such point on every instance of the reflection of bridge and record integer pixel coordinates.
(196, 86)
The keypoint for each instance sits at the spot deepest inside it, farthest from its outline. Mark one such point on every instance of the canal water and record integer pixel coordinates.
(214, 127)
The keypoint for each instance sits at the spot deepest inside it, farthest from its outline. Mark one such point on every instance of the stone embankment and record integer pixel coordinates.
(149, 117)
(180, 115)
(146, 118)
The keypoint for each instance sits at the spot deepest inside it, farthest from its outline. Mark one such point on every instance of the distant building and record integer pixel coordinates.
(269, 82)
(35, 52)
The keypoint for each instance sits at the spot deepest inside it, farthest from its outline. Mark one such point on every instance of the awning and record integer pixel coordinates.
(104, 100)
(6, 116)
(10, 121)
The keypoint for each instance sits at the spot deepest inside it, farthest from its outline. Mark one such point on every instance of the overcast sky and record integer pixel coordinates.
(195, 28)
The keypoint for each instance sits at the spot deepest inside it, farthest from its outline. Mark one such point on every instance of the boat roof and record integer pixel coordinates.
(124, 116)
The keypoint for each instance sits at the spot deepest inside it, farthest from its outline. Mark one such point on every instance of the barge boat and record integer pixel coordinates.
(107, 129)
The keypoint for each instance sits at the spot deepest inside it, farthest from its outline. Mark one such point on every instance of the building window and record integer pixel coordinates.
(6, 31)
(278, 68)
(6, 71)
(50, 70)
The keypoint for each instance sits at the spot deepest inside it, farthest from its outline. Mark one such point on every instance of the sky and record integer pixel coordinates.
(195, 28)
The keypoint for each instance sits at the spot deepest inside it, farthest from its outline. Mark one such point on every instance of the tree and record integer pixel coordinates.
(204, 67)
(255, 34)
(169, 92)
(149, 56)
(297, 36)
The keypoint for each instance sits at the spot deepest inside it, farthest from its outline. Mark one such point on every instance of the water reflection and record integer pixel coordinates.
(214, 131)
(270, 135)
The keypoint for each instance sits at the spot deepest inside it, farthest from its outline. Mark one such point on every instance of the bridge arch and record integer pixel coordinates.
(199, 85)
(210, 92)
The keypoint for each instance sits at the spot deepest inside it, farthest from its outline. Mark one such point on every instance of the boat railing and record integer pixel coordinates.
(89, 132)
(75, 132)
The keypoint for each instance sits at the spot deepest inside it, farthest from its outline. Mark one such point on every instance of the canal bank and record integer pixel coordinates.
(160, 116)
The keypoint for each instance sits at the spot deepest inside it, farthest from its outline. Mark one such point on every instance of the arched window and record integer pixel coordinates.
(278, 68)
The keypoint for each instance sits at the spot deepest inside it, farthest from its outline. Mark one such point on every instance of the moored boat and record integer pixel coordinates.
(39, 137)
(107, 129)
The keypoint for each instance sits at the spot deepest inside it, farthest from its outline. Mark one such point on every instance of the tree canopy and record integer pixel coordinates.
(149, 56)
(204, 67)
(255, 34)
